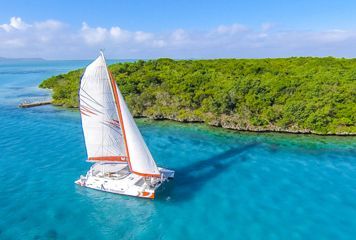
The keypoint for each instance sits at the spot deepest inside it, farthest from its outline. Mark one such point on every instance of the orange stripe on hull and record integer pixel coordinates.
(109, 158)
(147, 195)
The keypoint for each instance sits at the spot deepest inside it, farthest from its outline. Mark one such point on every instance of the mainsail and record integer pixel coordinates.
(102, 129)
(110, 131)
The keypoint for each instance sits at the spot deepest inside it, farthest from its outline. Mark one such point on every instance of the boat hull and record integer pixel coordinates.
(138, 193)
(130, 185)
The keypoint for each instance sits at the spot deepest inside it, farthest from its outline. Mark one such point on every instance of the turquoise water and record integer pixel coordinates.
(228, 185)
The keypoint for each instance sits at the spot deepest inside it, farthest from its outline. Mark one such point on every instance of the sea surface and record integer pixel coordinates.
(228, 185)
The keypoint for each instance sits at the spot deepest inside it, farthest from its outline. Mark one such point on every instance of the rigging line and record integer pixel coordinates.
(111, 127)
(114, 125)
(83, 81)
(83, 97)
(110, 143)
(86, 105)
(114, 143)
(90, 109)
(83, 109)
(86, 79)
(97, 152)
(82, 112)
(90, 98)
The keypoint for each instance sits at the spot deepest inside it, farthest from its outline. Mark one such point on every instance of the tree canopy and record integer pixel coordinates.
(303, 94)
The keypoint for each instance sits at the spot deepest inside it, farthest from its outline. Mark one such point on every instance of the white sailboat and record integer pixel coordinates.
(122, 161)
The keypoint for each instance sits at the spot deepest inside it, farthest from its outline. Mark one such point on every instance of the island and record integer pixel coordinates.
(295, 95)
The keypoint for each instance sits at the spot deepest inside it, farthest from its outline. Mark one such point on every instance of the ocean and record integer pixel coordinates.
(228, 184)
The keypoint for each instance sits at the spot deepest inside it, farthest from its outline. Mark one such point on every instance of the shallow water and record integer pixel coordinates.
(228, 185)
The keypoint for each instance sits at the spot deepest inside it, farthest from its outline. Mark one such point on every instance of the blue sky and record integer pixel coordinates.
(178, 29)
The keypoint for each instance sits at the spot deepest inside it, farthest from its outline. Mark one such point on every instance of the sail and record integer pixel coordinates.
(140, 158)
(102, 129)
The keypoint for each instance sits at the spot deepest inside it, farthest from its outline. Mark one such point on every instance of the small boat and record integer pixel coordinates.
(122, 162)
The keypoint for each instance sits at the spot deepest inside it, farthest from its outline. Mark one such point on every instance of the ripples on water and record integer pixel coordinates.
(228, 185)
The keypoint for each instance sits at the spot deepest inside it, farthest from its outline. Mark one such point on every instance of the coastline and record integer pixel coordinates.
(230, 127)
(256, 130)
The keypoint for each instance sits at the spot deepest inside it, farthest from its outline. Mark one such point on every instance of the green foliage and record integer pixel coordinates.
(293, 94)
(65, 88)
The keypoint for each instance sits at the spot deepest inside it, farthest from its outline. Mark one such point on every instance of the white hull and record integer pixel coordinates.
(115, 178)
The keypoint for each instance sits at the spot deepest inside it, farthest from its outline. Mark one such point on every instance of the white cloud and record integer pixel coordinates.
(159, 43)
(55, 39)
(179, 35)
(266, 26)
(99, 35)
(231, 29)
(142, 37)
(119, 34)
(49, 25)
(93, 36)
(16, 23)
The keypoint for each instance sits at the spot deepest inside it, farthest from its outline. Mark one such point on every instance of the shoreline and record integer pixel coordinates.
(296, 132)
(293, 132)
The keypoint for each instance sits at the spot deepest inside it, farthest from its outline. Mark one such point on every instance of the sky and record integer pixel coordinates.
(132, 29)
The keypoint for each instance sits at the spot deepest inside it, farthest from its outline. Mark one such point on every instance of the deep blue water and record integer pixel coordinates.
(228, 185)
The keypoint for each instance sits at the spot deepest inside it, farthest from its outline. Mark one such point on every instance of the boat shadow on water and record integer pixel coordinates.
(190, 179)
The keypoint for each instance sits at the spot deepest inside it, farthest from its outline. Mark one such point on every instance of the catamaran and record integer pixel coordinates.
(122, 162)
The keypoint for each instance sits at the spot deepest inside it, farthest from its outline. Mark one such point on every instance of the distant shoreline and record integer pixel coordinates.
(21, 59)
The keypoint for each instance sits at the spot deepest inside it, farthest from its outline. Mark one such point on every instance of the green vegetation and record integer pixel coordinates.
(305, 94)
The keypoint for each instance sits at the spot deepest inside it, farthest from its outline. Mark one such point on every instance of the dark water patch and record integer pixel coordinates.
(23, 218)
(52, 234)
(61, 214)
